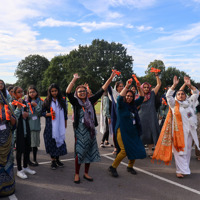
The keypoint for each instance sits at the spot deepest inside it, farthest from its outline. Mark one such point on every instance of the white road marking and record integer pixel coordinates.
(12, 197)
(159, 177)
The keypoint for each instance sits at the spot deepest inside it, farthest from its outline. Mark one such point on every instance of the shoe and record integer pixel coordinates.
(54, 165)
(88, 179)
(29, 171)
(107, 144)
(21, 174)
(131, 170)
(77, 182)
(114, 152)
(35, 163)
(178, 175)
(102, 145)
(59, 164)
(113, 171)
(30, 163)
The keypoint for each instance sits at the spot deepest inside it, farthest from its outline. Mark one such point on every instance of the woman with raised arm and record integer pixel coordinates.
(128, 129)
(85, 121)
(148, 116)
(179, 129)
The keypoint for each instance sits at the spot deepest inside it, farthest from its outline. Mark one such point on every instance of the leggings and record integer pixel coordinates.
(77, 166)
(122, 154)
(25, 156)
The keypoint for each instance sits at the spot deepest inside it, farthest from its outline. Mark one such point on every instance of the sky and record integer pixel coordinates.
(167, 30)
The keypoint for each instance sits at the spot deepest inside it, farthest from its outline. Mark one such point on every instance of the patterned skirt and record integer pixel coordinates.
(86, 147)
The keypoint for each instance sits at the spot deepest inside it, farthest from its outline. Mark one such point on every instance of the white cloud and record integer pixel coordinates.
(143, 28)
(134, 3)
(86, 26)
(183, 35)
(71, 40)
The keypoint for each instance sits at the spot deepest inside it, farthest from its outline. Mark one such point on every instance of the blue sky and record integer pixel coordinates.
(168, 30)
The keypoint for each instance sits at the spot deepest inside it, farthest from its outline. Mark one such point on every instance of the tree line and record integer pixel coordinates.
(94, 63)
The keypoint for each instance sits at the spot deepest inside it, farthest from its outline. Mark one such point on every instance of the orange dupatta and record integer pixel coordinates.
(163, 150)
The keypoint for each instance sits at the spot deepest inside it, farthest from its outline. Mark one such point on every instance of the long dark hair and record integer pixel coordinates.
(4, 89)
(133, 101)
(32, 87)
(59, 97)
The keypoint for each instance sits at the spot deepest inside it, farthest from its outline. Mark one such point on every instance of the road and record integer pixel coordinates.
(154, 181)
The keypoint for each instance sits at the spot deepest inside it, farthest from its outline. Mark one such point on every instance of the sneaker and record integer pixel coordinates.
(102, 145)
(53, 165)
(131, 170)
(21, 174)
(59, 163)
(113, 171)
(29, 171)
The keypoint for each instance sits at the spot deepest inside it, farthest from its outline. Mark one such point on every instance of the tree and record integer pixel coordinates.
(166, 75)
(30, 71)
(94, 64)
(56, 73)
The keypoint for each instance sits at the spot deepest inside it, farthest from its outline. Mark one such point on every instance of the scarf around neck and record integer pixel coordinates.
(163, 150)
(89, 120)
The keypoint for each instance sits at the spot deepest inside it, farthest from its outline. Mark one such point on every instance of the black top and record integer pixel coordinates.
(76, 106)
(198, 107)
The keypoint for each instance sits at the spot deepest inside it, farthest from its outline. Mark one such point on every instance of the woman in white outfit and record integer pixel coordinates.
(187, 123)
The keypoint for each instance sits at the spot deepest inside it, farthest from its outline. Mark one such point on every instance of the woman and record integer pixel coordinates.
(23, 139)
(55, 111)
(113, 94)
(105, 120)
(35, 110)
(4, 91)
(7, 180)
(148, 116)
(128, 129)
(179, 129)
(86, 149)
(197, 152)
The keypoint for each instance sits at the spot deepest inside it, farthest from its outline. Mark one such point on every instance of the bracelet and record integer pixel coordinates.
(126, 87)
(72, 83)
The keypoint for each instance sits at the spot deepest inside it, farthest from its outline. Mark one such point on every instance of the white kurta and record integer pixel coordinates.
(187, 109)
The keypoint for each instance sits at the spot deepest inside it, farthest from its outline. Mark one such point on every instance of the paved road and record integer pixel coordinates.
(153, 181)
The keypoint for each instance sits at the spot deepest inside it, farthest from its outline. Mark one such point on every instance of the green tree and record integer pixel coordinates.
(30, 71)
(55, 73)
(94, 64)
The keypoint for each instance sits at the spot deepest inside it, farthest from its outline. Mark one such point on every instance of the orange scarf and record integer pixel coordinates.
(163, 150)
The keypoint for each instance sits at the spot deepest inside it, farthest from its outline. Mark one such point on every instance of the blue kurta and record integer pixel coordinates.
(129, 130)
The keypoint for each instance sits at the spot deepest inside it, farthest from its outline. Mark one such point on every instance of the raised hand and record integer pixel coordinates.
(76, 76)
(175, 80)
(187, 81)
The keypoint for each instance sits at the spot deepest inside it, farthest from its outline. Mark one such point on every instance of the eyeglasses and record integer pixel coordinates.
(81, 91)
(146, 87)
(1, 84)
(129, 96)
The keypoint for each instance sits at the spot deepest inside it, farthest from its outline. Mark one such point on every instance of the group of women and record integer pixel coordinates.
(133, 121)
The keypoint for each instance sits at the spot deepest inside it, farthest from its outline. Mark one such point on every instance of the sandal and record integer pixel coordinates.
(179, 176)
(114, 152)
